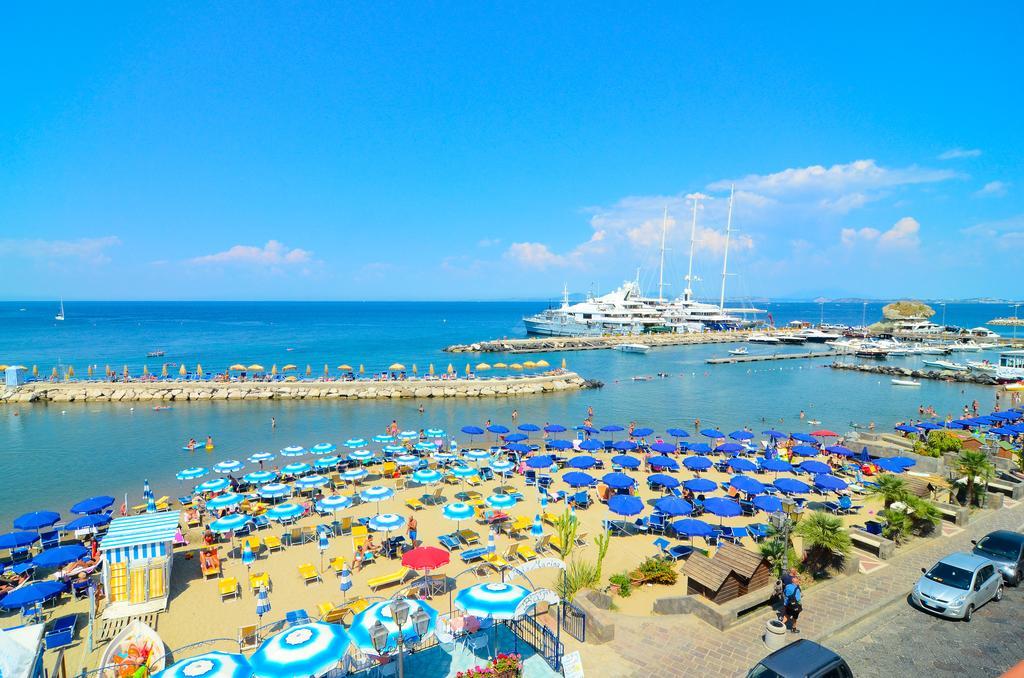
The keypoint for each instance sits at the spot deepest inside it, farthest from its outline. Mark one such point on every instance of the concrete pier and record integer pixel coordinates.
(551, 344)
(763, 358)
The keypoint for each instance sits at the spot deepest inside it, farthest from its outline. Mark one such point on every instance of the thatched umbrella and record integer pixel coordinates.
(182, 370)
(199, 369)
(145, 370)
(35, 371)
(88, 371)
(309, 370)
(163, 372)
(273, 370)
(431, 369)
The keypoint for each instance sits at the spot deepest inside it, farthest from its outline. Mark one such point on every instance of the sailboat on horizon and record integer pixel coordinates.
(60, 315)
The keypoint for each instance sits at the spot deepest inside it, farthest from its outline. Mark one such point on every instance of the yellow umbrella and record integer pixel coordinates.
(290, 378)
(145, 370)
(451, 369)
(500, 366)
(396, 366)
(431, 369)
(515, 366)
(183, 371)
(327, 370)
(273, 369)
(289, 367)
(88, 371)
(529, 363)
(163, 372)
(237, 367)
(481, 366)
(35, 370)
(199, 369)
(4, 367)
(71, 372)
(414, 370)
(362, 370)
(543, 363)
(309, 370)
(345, 368)
(53, 375)
(563, 363)
(255, 368)
(468, 370)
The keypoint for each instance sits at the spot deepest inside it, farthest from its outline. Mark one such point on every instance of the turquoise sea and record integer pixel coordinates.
(54, 455)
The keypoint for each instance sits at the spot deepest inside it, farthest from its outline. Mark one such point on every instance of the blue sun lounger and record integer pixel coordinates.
(676, 552)
(469, 555)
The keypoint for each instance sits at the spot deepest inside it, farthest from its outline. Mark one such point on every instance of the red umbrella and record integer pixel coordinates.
(824, 433)
(425, 558)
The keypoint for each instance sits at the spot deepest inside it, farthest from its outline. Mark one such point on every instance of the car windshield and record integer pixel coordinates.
(957, 577)
(998, 547)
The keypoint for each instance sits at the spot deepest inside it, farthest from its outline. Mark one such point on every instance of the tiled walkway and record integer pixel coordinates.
(672, 646)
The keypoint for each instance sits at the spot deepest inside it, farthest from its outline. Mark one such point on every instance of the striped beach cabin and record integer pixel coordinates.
(138, 551)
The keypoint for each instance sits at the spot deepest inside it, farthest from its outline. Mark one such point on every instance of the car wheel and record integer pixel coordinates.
(969, 613)
(1016, 579)
(999, 594)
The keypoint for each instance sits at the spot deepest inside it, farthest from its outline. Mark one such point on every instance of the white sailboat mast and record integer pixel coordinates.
(725, 257)
(661, 269)
(688, 292)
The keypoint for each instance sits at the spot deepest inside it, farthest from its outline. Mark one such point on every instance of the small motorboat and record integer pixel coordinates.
(156, 354)
(905, 382)
(742, 350)
(632, 348)
(643, 377)
(945, 365)
(138, 646)
(762, 339)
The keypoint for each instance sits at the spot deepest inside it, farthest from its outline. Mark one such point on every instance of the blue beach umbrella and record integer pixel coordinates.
(248, 557)
(361, 628)
(310, 482)
(365, 454)
(477, 455)
(617, 480)
(587, 429)
(310, 649)
(905, 462)
(691, 527)
(36, 520)
(741, 435)
(293, 451)
(497, 429)
(729, 448)
(662, 480)
(408, 435)
(700, 448)
(274, 491)
(805, 451)
(641, 432)
(591, 445)
(677, 433)
(906, 428)
(518, 447)
(537, 529)
(663, 462)
(928, 426)
(663, 448)
(458, 511)
(722, 507)
(92, 504)
(209, 665)
(840, 450)
(768, 503)
(625, 505)
(825, 481)
(327, 461)
(36, 592)
(747, 484)
(560, 444)
(626, 461)
(223, 501)
(529, 428)
(672, 506)
(295, 468)
(60, 556)
(713, 433)
(191, 473)
(381, 438)
(699, 485)
(228, 466)
(792, 486)
(333, 503)
(501, 501)
(389, 450)
(345, 579)
(516, 437)
(540, 461)
(285, 511)
(578, 479)
(815, 467)
(323, 448)
(229, 523)
(502, 466)
(464, 471)
(87, 522)
(624, 445)
(554, 428)
(740, 464)
(582, 461)
(353, 443)
(775, 465)
(776, 435)
(472, 430)
(147, 492)
(804, 438)
(426, 476)
(264, 457)
(697, 463)
(425, 446)
(214, 485)
(491, 600)
(354, 474)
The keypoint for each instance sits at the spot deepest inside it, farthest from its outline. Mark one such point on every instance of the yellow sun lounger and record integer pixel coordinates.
(525, 552)
(338, 564)
(415, 504)
(228, 588)
(273, 543)
(258, 579)
(308, 573)
(396, 577)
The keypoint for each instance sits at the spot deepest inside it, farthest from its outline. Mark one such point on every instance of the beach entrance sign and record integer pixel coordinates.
(539, 596)
(532, 565)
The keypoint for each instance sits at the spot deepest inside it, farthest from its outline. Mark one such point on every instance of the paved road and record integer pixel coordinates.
(900, 640)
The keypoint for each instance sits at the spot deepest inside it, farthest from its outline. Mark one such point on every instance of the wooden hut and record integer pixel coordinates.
(752, 570)
(137, 553)
(711, 578)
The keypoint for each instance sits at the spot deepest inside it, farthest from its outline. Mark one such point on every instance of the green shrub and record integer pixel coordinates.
(623, 582)
(655, 570)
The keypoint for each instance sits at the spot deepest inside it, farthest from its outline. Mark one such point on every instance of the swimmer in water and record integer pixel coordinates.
(209, 442)
(191, 444)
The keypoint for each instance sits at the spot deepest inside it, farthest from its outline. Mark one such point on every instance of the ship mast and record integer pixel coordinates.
(688, 292)
(661, 269)
(725, 257)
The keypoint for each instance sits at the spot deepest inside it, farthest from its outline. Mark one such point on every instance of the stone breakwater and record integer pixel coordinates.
(178, 391)
(551, 344)
(906, 373)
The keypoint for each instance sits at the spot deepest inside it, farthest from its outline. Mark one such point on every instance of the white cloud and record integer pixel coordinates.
(92, 250)
(488, 242)
(272, 254)
(837, 180)
(1004, 233)
(957, 153)
(904, 235)
(993, 189)
(534, 255)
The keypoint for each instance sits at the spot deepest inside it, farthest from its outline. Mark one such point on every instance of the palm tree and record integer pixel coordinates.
(924, 514)
(774, 550)
(891, 488)
(897, 525)
(976, 466)
(827, 541)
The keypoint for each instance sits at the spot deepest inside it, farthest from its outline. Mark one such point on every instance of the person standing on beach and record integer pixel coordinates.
(411, 529)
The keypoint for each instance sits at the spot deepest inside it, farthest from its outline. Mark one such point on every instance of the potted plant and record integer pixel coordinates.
(620, 585)
(507, 666)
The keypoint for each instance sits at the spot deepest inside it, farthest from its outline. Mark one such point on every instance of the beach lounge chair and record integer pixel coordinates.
(308, 573)
(273, 543)
(469, 555)
(556, 543)
(258, 579)
(531, 477)
(502, 561)
(359, 533)
(338, 564)
(519, 525)
(296, 617)
(396, 577)
(469, 536)
(581, 499)
(434, 498)
(388, 471)
(49, 539)
(757, 531)
(228, 588)
(61, 632)
(415, 504)
(542, 544)
(674, 552)
(338, 614)
(549, 518)
(210, 570)
(525, 552)
(324, 609)
(450, 541)
(248, 637)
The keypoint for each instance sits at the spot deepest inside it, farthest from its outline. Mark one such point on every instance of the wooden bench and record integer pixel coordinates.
(876, 543)
(1010, 489)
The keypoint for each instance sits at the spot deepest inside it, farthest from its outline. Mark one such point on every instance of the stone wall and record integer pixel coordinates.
(176, 391)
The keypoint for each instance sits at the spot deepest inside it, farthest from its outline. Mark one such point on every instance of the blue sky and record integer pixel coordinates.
(478, 151)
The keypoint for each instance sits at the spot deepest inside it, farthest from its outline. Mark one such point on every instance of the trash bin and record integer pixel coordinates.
(774, 634)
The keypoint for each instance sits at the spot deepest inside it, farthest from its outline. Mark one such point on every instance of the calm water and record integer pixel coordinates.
(57, 455)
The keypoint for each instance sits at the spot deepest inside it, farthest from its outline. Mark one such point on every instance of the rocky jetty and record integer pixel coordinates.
(549, 344)
(178, 391)
(906, 373)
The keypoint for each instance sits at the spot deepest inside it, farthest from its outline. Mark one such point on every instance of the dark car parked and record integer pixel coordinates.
(802, 659)
(1006, 550)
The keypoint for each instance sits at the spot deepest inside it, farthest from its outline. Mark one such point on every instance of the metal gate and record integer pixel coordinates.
(573, 620)
(540, 638)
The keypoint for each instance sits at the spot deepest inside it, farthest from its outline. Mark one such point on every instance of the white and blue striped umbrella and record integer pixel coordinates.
(353, 443)
(147, 492)
(444, 456)
(285, 511)
(394, 449)
(362, 455)
(262, 602)
(259, 477)
(327, 462)
(355, 474)
(362, 623)
(228, 466)
(345, 578)
(334, 503)
(261, 456)
(312, 481)
(376, 493)
(464, 471)
(209, 665)
(426, 476)
(408, 435)
(458, 511)
(229, 523)
(274, 491)
(293, 451)
(543, 499)
(500, 501)
(425, 446)
(322, 542)
(323, 448)
(385, 522)
(495, 600)
(223, 501)
(191, 473)
(381, 438)
(490, 542)
(214, 485)
(502, 466)
(537, 530)
(295, 468)
(408, 460)
(310, 649)
(435, 432)
(248, 557)
(476, 455)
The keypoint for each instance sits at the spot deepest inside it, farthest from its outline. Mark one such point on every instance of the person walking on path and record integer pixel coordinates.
(792, 601)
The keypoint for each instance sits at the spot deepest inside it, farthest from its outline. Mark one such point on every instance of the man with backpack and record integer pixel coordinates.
(792, 604)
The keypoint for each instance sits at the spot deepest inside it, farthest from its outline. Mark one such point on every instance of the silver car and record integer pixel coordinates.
(1006, 550)
(957, 585)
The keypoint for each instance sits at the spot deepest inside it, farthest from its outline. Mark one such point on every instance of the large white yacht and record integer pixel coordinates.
(1011, 366)
(621, 311)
